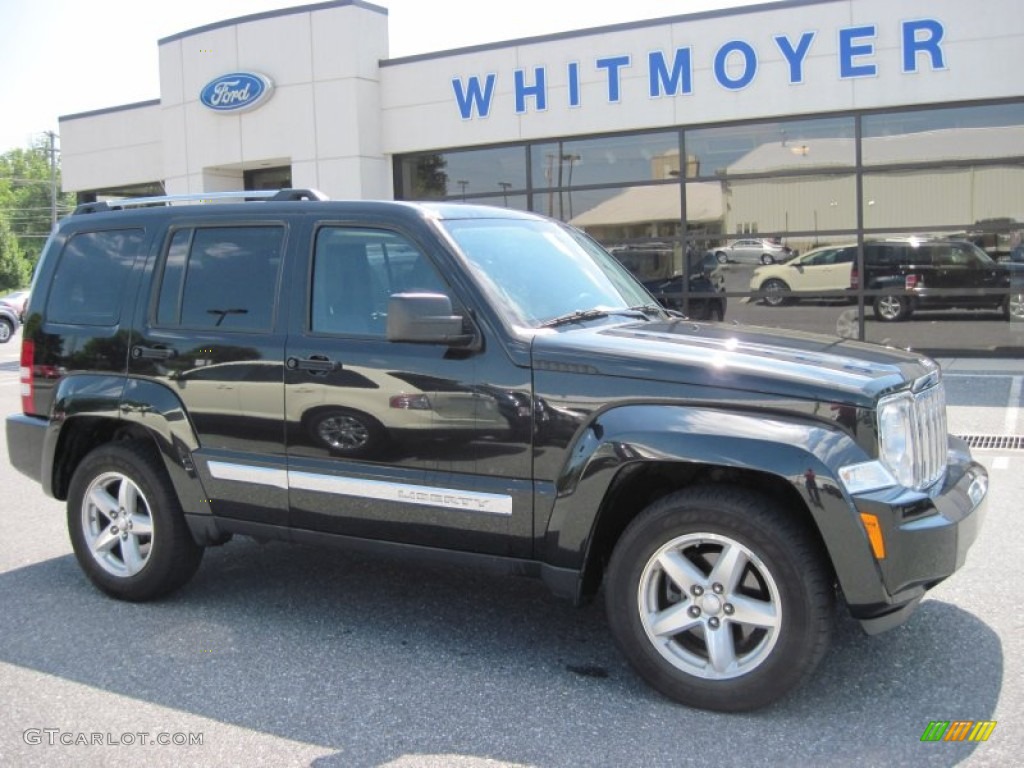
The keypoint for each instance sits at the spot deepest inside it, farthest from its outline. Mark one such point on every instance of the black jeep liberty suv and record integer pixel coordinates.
(487, 386)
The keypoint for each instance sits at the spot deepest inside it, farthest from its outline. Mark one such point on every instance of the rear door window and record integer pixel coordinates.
(221, 277)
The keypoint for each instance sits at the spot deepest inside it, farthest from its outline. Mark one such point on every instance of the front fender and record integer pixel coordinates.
(784, 447)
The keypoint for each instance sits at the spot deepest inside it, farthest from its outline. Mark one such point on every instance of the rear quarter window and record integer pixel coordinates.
(92, 273)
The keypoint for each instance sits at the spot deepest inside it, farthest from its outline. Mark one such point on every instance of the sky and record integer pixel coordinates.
(61, 57)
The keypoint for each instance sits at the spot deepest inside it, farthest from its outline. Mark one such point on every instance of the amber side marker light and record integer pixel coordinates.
(874, 532)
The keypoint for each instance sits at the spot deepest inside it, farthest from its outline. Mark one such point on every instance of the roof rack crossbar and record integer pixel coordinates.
(275, 195)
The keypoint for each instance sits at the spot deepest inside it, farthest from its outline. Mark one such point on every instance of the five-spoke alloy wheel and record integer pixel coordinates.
(719, 598)
(890, 308)
(349, 433)
(125, 523)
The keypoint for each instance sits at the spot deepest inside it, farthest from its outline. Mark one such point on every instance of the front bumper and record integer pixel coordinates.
(926, 537)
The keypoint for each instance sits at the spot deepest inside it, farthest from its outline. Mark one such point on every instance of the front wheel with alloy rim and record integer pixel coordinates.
(6, 330)
(776, 292)
(890, 308)
(719, 599)
(126, 525)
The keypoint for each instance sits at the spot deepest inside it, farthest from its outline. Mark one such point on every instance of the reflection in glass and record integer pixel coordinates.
(612, 160)
(960, 133)
(653, 211)
(971, 196)
(94, 269)
(810, 205)
(455, 175)
(792, 145)
(538, 270)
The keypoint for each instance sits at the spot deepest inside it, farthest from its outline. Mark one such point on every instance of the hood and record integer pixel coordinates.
(768, 361)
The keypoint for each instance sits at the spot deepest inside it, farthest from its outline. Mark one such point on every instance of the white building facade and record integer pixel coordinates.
(813, 122)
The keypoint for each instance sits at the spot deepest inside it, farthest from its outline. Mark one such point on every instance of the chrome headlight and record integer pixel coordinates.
(912, 442)
(912, 439)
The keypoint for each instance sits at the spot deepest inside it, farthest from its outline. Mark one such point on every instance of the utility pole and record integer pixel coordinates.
(53, 180)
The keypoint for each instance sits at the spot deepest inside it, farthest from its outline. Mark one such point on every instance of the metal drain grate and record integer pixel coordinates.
(995, 442)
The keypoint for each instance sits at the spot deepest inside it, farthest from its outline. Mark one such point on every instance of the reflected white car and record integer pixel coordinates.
(823, 269)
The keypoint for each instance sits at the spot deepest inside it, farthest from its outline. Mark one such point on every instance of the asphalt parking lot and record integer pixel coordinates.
(276, 655)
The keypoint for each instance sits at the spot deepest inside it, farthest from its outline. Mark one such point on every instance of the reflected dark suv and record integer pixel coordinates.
(917, 274)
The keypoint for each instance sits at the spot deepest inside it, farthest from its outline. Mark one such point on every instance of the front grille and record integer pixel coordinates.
(929, 442)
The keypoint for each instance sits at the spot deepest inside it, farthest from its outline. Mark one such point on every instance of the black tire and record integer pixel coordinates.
(136, 566)
(781, 573)
(890, 308)
(711, 310)
(348, 433)
(767, 258)
(6, 330)
(1013, 306)
(721, 258)
(776, 290)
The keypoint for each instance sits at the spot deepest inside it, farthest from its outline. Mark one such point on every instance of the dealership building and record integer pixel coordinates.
(813, 123)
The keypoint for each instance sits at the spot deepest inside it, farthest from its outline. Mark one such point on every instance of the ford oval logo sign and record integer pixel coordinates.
(236, 92)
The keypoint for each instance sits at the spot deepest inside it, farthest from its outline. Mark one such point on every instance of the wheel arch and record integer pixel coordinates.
(631, 492)
(645, 452)
(124, 409)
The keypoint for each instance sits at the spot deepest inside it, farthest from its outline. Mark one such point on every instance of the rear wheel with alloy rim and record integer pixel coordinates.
(767, 258)
(719, 599)
(349, 433)
(126, 525)
(776, 291)
(6, 330)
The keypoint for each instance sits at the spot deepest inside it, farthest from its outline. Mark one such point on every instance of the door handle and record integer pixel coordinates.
(316, 364)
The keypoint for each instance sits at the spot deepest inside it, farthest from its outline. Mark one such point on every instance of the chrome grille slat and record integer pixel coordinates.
(930, 439)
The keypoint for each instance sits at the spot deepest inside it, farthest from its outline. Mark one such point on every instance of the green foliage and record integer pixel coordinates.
(25, 191)
(430, 181)
(14, 269)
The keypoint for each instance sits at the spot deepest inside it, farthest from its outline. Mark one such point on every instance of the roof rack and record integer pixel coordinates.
(272, 195)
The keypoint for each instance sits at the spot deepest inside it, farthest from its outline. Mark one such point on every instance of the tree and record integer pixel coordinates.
(25, 191)
(14, 269)
(429, 182)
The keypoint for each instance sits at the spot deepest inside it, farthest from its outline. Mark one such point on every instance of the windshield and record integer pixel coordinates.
(539, 271)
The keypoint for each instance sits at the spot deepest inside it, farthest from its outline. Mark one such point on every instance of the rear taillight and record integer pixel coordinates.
(854, 279)
(28, 355)
(410, 402)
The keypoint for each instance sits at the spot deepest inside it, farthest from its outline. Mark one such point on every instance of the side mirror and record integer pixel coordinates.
(425, 318)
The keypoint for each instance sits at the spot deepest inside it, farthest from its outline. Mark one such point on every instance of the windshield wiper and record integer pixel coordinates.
(592, 314)
(648, 309)
(575, 317)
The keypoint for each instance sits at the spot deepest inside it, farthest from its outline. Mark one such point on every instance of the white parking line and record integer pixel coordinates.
(1013, 405)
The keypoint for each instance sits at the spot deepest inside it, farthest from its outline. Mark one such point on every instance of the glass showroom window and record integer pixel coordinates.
(461, 175)
(784, 146)
(935, 135)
